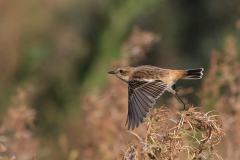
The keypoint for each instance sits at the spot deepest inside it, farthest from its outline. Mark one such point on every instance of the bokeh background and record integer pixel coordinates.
(57, 100)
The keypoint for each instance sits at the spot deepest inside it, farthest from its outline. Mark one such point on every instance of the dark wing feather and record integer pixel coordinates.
(142, 96)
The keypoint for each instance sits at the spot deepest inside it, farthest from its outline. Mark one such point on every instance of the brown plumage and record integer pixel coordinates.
(146, 84)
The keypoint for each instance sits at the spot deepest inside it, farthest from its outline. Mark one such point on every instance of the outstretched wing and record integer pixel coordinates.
(142, 96)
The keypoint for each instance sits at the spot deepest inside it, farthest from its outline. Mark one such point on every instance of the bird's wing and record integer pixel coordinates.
(142, 96)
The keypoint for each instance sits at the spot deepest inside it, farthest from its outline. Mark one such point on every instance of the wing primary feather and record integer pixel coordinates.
(127, 117)
(132, 118)
(129, 122)
(134, 107)
(139, 105)
(146, 99)
(143, 113)
(130, 113)
(134, 115)
(129, 97)
(146, 109)
(142, 101)
(138, 109)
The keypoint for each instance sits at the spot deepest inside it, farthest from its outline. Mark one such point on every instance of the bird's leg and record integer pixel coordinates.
(179, 99)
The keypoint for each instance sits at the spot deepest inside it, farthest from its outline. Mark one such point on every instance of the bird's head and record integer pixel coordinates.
(122, 72)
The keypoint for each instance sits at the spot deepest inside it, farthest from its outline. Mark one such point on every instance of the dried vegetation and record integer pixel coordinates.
(190, 134)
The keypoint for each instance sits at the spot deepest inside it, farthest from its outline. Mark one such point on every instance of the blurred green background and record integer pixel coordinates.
(59, 51)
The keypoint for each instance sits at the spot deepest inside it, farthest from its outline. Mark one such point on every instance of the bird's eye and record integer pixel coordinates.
(121, 71)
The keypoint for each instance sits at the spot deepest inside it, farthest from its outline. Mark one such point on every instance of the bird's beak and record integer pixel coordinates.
(111, 72)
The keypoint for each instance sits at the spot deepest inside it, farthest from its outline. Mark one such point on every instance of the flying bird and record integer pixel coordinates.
(146, 84)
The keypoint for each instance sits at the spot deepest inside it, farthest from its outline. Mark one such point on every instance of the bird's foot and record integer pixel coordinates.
(185, 103)
(180, 99)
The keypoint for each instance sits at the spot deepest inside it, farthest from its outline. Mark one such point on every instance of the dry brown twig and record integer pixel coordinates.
(189, 134)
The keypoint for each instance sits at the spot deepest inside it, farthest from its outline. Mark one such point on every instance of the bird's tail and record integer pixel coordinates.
(194, 73)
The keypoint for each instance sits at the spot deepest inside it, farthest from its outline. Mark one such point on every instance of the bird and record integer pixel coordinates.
(146, 84)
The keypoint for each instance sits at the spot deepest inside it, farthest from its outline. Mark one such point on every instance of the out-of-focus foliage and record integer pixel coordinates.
(221, 91)
(59, 52)
(17, 140)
